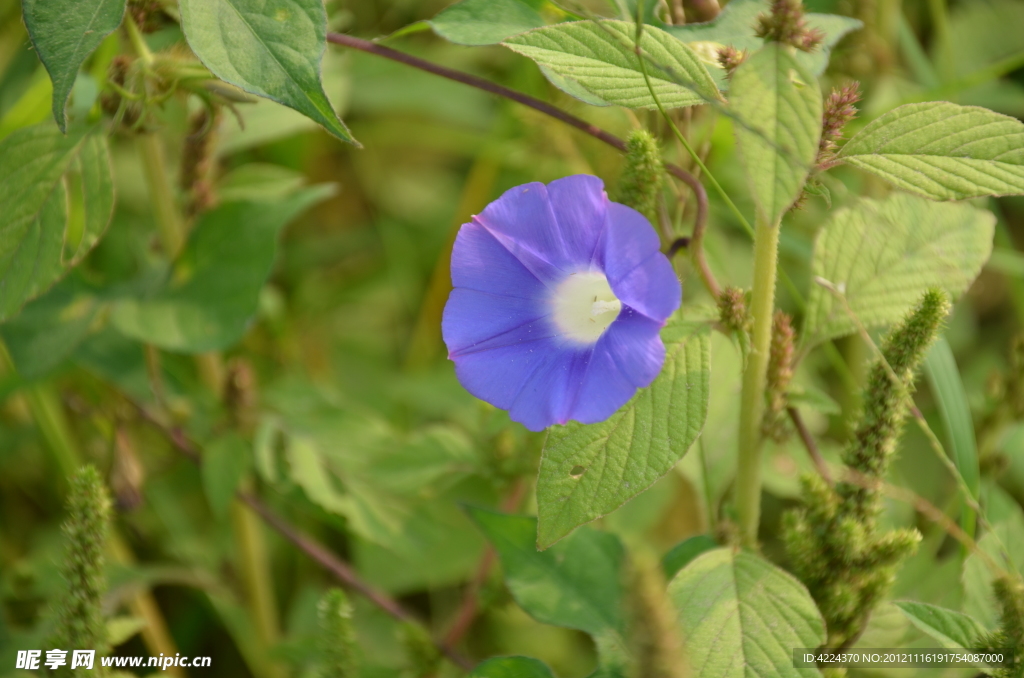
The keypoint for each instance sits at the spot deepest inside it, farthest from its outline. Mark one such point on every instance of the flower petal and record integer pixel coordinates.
(628, 356)
(553, 230)
(480, 262)
(547, 397)
(580, 206)
(501, 375)
(634, 342)
(477, 321)
(639, 274)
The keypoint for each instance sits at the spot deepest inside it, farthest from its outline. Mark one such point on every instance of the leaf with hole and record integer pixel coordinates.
(576, 584)
(954, 630)
(742, 616)
(57, 194)
(214, 285)
(270, 48)
(881, 256)
(777, 109)
(64, 34)
(600, 58)
(942, 151)
(589, 470)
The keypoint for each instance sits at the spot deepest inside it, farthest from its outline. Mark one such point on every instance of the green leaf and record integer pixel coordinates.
(120, 629)
(57, 194)
(259, 182)
(627, 10)
(942, 151)
(1005, 545)
(512, 667)
(957, 421)
(955, 630)
(487, 22)
(734, 26)
(599, 57)
(226, 460)
(271, 48)
(50, 328)
(576, 584)
(682, 553)
(309, 470)
(883, 255)
(397, 491)
(777, 107)
(805, 395)
(214, 286)
(64, 34)
(587, 471)
(742, 616)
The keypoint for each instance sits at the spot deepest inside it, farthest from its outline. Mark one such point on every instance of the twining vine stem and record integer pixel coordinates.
(700, 219)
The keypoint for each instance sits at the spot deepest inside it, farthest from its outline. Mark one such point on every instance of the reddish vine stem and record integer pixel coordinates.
(341, 570)
(700, 220)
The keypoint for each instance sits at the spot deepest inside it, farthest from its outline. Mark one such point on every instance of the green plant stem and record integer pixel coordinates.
(168, 219)
(45, 408)
(138, 41)
(256, 576)
(940, 24)
(762, 305)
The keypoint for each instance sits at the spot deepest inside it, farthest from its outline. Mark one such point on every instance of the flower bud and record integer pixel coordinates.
(641, 181)
(785, 23)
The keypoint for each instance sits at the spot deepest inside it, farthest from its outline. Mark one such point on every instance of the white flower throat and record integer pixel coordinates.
(583, 306)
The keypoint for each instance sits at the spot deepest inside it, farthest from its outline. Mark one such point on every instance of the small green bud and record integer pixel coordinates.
(730, 58)
(641, 181)
(337, 636)
(839, 109)
(732, 310)
(80, 622)
(893, 547)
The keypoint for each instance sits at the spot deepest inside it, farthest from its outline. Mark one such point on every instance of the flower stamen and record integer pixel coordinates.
(584, 306)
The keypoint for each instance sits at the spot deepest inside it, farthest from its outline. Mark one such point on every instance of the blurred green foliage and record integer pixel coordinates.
(333, 398)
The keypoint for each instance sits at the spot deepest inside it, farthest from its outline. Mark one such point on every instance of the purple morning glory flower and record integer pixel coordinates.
(559, 298)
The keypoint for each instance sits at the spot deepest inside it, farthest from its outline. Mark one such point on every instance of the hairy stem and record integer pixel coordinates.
(762, 305)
